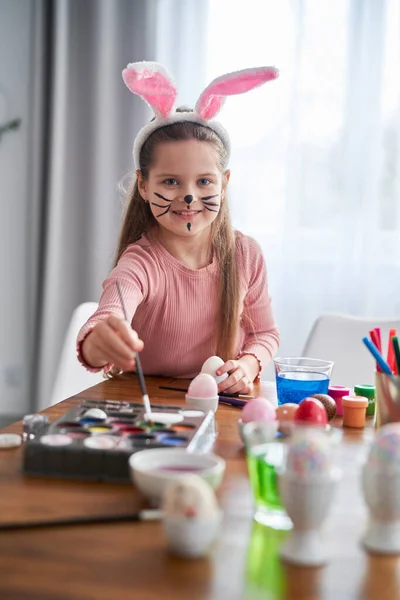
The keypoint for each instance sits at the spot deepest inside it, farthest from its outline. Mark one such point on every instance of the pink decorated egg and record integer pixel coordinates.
(258, 409)
(203, 386)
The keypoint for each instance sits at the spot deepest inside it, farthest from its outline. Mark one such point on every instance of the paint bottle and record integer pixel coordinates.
(337, 392)
(354, 409)
(368, 391)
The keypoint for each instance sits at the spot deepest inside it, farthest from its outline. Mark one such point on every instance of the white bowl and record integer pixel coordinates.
(204, 404)
(146, 469)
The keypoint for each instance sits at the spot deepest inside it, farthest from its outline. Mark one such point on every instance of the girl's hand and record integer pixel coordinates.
(112, 341)
(242, 373)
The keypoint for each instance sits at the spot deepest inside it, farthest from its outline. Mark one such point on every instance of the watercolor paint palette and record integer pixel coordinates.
(79, 445)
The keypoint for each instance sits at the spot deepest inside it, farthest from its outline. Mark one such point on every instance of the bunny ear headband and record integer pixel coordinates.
(152, 82)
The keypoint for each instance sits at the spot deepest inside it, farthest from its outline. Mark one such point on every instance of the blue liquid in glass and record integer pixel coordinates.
(294, 386)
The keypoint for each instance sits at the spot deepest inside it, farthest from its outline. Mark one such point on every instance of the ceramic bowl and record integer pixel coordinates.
(150, 470)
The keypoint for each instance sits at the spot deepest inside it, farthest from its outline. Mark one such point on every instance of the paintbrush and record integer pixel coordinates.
(139, 370)
(142, 515)
(223, 394)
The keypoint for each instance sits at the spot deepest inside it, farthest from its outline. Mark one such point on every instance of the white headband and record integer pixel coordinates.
(152, 82)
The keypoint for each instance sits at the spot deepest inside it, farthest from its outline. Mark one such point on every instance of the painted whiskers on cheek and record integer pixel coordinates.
(208, 204)
(167, 207)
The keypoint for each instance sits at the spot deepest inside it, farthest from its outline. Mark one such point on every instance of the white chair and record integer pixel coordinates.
(338, 337)
(71, 376)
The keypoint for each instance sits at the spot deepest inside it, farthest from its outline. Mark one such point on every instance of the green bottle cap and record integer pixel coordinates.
(368, 391)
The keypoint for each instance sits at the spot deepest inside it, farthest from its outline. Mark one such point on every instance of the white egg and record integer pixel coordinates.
(95, 413)
(190, 497)
(211, 365)
(192, 517)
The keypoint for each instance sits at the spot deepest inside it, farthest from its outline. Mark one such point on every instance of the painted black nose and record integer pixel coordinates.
(188, 199)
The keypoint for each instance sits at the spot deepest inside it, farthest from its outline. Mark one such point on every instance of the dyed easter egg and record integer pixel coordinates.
(258, 409)
(203, 386)
(285, 414)
(385, 449)
(309, 455)
(311, 411)
(329, 404)
(190, 497)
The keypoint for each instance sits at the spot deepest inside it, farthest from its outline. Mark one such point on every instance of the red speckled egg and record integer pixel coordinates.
(311, 411)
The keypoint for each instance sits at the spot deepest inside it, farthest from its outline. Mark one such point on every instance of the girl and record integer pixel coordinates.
(192, 286)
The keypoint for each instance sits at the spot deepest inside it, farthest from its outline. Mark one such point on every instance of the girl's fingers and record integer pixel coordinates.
(232, 380)
(111, 344)
(230, 365)
(114, 358)
(125, 331)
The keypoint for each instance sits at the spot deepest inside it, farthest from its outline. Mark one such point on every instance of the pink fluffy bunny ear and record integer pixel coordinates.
(153, 83)
(211, 100)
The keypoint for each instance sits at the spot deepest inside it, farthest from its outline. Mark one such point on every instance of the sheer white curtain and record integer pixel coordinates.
(316, 160)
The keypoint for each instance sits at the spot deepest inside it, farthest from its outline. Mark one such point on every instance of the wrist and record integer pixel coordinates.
(251, 365)
(89, 354)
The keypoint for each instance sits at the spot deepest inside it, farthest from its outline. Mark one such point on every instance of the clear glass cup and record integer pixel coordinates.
(387, 397)
(300, 377)
(265, 454)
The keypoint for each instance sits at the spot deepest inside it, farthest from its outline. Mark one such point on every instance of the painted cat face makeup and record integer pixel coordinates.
(184, 187)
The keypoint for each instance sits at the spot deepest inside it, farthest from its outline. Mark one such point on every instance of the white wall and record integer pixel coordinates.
(16, 43)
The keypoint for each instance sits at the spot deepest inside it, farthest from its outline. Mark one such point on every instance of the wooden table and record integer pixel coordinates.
(122, 561)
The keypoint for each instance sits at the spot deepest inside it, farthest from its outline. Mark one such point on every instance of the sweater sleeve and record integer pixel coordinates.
(132, 274)
(261, 333)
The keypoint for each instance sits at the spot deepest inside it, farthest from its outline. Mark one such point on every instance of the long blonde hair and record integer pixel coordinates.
(138, 219)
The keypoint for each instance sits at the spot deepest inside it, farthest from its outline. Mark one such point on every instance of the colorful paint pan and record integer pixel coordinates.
(173, 440)
(183, 427)
(131, 430)
(87, 421)
(101, 442)
(162, 430)
(99, 428)
(56, 439)
(142, 437)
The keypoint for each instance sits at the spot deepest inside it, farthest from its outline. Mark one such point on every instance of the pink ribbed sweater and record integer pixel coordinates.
(174, 309)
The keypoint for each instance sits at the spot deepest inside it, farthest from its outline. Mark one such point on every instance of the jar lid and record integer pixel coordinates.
(355, 401)
(338, 391)
(365, 390)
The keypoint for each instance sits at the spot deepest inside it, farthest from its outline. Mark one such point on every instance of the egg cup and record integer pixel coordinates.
(204, 404)
(307, 502)
(381, 489)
